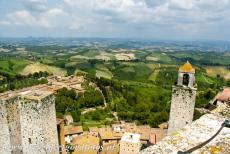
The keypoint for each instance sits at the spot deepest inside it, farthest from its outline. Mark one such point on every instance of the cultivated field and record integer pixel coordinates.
(36, 67)
(218, 70)
(125, 56)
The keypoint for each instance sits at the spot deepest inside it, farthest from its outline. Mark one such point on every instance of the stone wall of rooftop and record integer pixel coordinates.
(196, 133)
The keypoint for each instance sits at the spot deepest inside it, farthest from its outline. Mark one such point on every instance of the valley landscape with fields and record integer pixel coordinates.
(132, 80)
(114, 77)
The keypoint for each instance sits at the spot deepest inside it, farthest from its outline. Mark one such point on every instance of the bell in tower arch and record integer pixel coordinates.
(185, 79)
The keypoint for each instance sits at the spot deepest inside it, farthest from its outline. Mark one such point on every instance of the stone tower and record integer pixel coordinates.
(183, 99)
(28, 122)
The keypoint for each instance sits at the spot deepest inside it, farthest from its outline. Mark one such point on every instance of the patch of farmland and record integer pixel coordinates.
(218, 70)
(125, 56)
(78, 57)
(102, 73)
(36, 67)
(151, 58)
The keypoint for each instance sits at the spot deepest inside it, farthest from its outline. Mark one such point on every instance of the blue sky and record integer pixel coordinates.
(156, 19)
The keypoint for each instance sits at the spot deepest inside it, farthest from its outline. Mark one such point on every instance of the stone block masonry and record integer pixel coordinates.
(183, 99)
(182, 107)
(28, 122)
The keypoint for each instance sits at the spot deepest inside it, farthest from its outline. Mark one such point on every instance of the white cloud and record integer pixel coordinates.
(54, 13)
(4, 23)
(182, 4)
(155, 11)
(35, 5)
(45, 19)
(123, 15)
(24, 17)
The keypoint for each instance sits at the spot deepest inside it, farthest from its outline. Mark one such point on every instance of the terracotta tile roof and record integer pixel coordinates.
(86, 139)
(87, 144)
(117, 135)
(106, 133)
(163, 125)
(187, 68)
(93, 129)
(224, 95)
(144, 131)
(70, 130)
(160, 133)
(130, 127)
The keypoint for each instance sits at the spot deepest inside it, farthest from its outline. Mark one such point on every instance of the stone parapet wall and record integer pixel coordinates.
(195, 134)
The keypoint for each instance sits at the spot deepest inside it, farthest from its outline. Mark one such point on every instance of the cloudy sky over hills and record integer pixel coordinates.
(162, 19)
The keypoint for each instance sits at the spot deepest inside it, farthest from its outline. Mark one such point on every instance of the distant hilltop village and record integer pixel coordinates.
(28, 123)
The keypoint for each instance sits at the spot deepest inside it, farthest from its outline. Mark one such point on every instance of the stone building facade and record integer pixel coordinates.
(130, 143)
(183, 99)
(28, 122)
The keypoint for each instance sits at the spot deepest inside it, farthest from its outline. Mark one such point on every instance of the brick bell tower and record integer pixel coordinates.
(183, 99)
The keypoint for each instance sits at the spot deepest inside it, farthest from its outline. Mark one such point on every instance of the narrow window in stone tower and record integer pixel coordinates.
(185, 79)
(30, 141)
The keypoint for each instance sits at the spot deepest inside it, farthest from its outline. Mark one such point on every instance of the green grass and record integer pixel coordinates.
(129, 69)
(4, 65)
(91, 53)
(36, 67)
(195, 56)
(105, 74)
(47, 60)
(19, 65)
(13, 66)
(101, 118)
(162, 57)
(132, 71)
(153, 76)
(203, 78)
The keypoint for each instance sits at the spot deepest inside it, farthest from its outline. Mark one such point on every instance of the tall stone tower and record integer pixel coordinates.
(183, 99)
(28, 122)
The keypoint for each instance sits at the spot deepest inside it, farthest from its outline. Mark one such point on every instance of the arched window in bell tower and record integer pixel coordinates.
(185, 79)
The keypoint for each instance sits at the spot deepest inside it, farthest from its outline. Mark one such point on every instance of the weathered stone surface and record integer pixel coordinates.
(196, 133)
(28, 122)
(182, 107)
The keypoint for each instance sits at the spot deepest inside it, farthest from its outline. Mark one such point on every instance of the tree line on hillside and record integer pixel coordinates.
(69, 102)
(132, 104)
(136, 104)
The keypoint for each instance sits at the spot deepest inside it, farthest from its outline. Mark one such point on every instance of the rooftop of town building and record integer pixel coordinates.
(224, 95)
(131, 137)
(71, 130)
